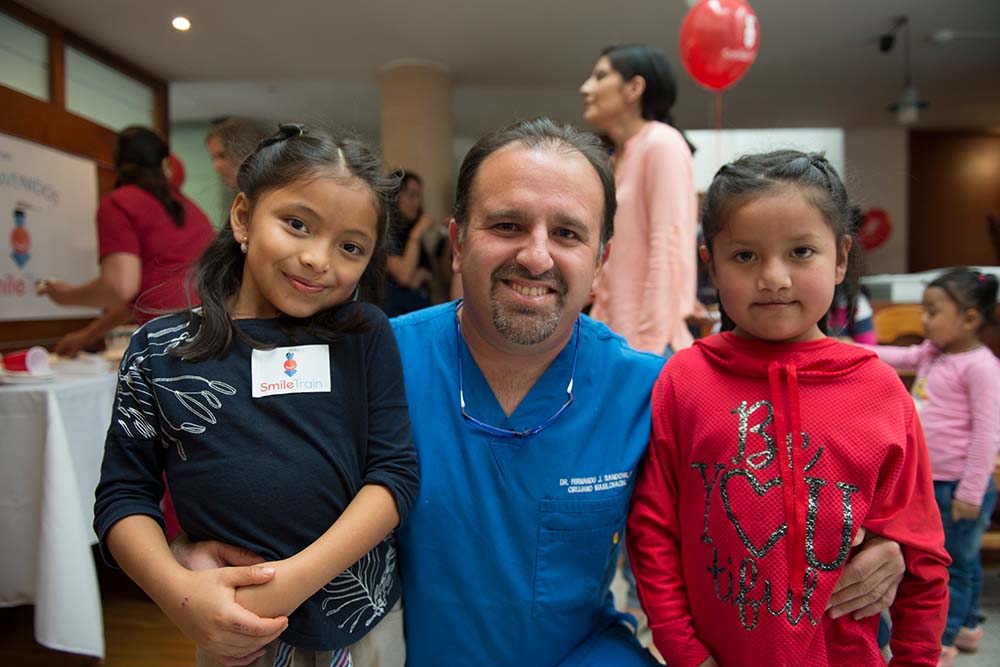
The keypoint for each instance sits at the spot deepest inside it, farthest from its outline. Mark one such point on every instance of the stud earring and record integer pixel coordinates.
(244, 245)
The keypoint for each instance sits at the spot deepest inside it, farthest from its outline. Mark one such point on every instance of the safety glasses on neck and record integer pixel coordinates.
(507, 432)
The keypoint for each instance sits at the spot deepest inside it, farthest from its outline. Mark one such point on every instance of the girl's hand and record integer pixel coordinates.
(203, 605)
(963, 511)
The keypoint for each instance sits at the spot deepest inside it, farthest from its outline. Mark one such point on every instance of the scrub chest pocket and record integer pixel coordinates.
(577, 541)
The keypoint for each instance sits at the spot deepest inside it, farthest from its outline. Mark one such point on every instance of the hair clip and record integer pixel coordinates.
(285, 131)
(292, 129)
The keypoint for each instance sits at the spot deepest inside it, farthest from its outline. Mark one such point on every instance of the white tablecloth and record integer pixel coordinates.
(51, 445)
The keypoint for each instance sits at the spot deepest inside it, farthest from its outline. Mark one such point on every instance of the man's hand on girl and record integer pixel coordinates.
(869, 581)
(210, 554)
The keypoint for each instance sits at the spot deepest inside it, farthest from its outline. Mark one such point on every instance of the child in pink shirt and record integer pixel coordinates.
(957, 392)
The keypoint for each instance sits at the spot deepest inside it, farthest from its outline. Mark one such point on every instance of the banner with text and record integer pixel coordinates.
(47, 204)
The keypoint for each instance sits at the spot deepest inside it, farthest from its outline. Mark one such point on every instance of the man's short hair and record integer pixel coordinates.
(544, 134)
(238, 136)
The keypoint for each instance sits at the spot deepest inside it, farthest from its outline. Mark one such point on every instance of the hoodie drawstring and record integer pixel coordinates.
(788, 442)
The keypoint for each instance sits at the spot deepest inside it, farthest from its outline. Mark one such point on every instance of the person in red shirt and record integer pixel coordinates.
(149, 235)
(774, 448)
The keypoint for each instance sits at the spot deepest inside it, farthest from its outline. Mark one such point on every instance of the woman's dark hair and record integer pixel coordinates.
(765, 173)
(631, 60)
(139, 156)
(293, 153)
(403, 177)
(400, 227)
(970, 289)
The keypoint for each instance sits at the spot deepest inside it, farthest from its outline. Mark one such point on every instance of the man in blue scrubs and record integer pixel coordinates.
(530, 420)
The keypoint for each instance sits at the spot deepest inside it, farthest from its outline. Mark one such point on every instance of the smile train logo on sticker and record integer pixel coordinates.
(290, 370)
(290, 364)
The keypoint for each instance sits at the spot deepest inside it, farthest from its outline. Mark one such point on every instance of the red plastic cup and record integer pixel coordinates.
(34, 360)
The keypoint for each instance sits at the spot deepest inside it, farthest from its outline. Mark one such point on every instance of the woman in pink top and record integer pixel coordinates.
(957, 393)
(647, 287)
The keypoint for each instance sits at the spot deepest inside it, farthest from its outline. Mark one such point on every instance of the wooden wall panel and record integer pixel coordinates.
(955, 183)
(50, 124)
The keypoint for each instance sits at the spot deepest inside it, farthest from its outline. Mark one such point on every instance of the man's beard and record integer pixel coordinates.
(521, 324)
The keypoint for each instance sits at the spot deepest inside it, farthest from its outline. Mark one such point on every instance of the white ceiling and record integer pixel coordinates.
(818, 65)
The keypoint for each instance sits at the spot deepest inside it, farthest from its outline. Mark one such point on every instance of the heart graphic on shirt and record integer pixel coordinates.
(760, 490)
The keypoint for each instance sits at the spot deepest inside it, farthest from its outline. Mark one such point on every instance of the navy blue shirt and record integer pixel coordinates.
(268, 474)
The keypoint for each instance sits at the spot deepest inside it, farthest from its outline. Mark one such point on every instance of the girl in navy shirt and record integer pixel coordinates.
(276, 409)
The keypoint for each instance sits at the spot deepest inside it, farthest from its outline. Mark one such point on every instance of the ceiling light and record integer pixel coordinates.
(907, 107)
(945, 36)
(181, 23)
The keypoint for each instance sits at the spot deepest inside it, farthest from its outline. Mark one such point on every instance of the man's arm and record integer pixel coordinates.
(905, 511)
(869, 581)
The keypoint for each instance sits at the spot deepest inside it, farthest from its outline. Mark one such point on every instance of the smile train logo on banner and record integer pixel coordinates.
(20, 240)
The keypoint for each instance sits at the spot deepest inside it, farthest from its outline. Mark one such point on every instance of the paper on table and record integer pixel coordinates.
(24, 377)
(84, 363)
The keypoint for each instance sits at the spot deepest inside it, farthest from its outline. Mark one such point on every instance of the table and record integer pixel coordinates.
(51, 446)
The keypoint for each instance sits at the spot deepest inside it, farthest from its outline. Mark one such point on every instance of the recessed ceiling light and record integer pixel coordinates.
(181, 23)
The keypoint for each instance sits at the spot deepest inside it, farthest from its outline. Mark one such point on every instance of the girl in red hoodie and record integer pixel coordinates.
(774, 445)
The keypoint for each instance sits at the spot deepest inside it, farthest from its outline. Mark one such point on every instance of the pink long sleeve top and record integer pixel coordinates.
(647, 287)
(958, 397)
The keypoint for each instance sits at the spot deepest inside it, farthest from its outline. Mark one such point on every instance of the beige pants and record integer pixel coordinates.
(384, 646)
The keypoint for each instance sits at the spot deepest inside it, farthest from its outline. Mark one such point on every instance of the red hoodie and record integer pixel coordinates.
(746, 575)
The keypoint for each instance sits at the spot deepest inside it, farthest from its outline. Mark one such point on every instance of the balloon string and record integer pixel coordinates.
(718, 127)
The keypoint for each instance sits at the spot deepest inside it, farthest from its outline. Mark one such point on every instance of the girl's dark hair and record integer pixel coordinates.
(631, 60)
(970, 289)
(764, 173)
(139, 156)
(291, 154)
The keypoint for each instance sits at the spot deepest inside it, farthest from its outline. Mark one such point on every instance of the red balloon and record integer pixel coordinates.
(875, 229)
(719, 40)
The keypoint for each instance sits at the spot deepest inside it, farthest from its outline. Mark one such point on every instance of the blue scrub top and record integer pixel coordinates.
(509, 551)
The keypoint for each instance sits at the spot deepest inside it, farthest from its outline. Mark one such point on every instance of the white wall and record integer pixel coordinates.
(717, 147)
(877, 167)
(201, 184)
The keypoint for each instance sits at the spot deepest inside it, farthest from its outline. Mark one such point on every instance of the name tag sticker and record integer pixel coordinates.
(290, 370)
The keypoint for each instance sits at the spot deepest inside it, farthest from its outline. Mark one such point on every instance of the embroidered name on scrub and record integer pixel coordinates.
(290, 370)
(603, 482)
